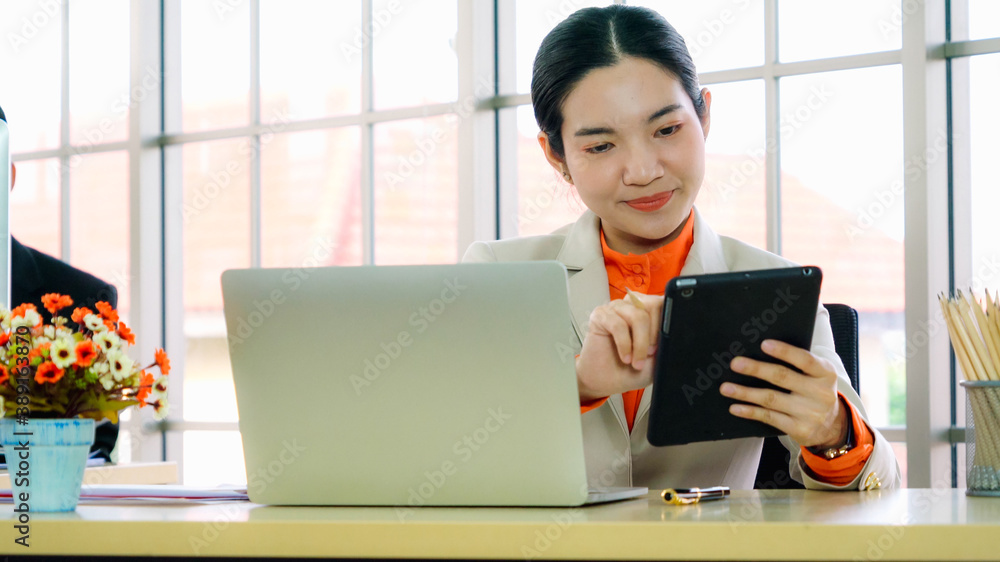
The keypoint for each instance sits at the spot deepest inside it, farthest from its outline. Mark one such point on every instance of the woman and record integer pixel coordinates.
(623, 120)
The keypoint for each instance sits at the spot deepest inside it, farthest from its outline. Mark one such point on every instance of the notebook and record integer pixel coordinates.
(443, 385)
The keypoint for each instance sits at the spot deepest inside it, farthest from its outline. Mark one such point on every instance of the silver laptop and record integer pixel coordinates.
(408, 385)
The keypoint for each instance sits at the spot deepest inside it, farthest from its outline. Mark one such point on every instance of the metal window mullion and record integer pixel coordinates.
(67, 152)
(502, 101)
(507, 164)
(255, 180)
(772, 129)
(960, 204)
(477, 71)
(367, 140)
(893, 433)
(371, 117)
(172, 197)
(957, 436)
(972, 48)
(64, 143)
(146, 231)
(731, 75)
(926, 255)
(833, 64)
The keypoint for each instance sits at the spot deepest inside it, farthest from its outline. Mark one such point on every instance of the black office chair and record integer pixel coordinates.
(772, 472)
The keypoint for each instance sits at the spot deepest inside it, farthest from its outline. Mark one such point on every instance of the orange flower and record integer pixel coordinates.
(162, 361)
(79, 313)
(145, 387)
(40, 351)
(4, 374)
(48, 372)
(125, 334)
(4, 338)
(19, 311)
(85, 353)
(54, 302)
(107, 312)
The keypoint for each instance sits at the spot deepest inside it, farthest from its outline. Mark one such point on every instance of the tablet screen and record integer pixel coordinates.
(709, 319)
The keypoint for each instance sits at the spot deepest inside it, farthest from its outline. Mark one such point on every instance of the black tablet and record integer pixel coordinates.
(708, 320)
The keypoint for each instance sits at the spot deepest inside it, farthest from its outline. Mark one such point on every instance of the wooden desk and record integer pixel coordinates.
(750, 525)
(131, 473)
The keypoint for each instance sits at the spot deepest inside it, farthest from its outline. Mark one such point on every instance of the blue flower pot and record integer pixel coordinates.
(45, 460)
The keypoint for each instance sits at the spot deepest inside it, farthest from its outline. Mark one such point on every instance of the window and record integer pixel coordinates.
(842, 209)
(984, 78)
(983, 20)
(733, 197)
(720, 34)
(308, 132)
(275, 173)
(67, 125)
(807, 31)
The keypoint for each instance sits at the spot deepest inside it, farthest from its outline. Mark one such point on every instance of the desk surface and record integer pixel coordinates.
(906, 524)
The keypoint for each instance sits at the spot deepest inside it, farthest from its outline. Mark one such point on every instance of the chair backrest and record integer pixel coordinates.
(772, 472)
(844, 321)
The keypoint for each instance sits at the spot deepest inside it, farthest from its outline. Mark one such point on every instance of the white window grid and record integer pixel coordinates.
(935, 252)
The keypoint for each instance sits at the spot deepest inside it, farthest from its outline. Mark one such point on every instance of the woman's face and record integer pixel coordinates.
(635, 150)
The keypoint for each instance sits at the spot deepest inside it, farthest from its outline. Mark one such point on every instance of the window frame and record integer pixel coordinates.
(937, 257)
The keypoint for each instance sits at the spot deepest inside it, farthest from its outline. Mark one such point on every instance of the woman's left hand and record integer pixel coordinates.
(811, 413)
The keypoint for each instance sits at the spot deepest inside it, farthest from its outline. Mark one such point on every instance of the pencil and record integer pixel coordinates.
(956, 340)
(993, 347)
(973, 345)
(992, 326)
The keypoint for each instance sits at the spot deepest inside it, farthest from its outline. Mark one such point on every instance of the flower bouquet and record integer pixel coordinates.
(55, 382)
(52, 371)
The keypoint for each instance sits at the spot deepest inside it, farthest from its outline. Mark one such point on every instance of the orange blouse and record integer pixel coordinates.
(644, 273)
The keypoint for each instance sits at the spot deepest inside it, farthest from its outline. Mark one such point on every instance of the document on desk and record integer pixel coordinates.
(154, 492)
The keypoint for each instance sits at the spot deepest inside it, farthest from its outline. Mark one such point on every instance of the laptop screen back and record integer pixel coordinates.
(406, 385)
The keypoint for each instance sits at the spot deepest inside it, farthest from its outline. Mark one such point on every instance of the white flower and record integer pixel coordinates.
(94, 323)
(49, 332)
(61, 353)
(30, 319)
(4, 317)
(40, 341)
(159, 404)
(119, 364)
(107, 380)
(64, 332)
(100, 367)
(107, 341)
(159, 387)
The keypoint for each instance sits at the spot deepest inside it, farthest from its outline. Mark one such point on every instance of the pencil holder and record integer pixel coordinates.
(982, 437)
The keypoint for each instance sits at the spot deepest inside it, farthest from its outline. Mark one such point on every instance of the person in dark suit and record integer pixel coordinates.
(34, 274)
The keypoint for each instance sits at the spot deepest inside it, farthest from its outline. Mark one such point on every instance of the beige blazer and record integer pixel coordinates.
(614, 456)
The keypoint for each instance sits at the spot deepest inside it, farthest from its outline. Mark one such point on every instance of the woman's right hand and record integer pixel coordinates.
(618, 350)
